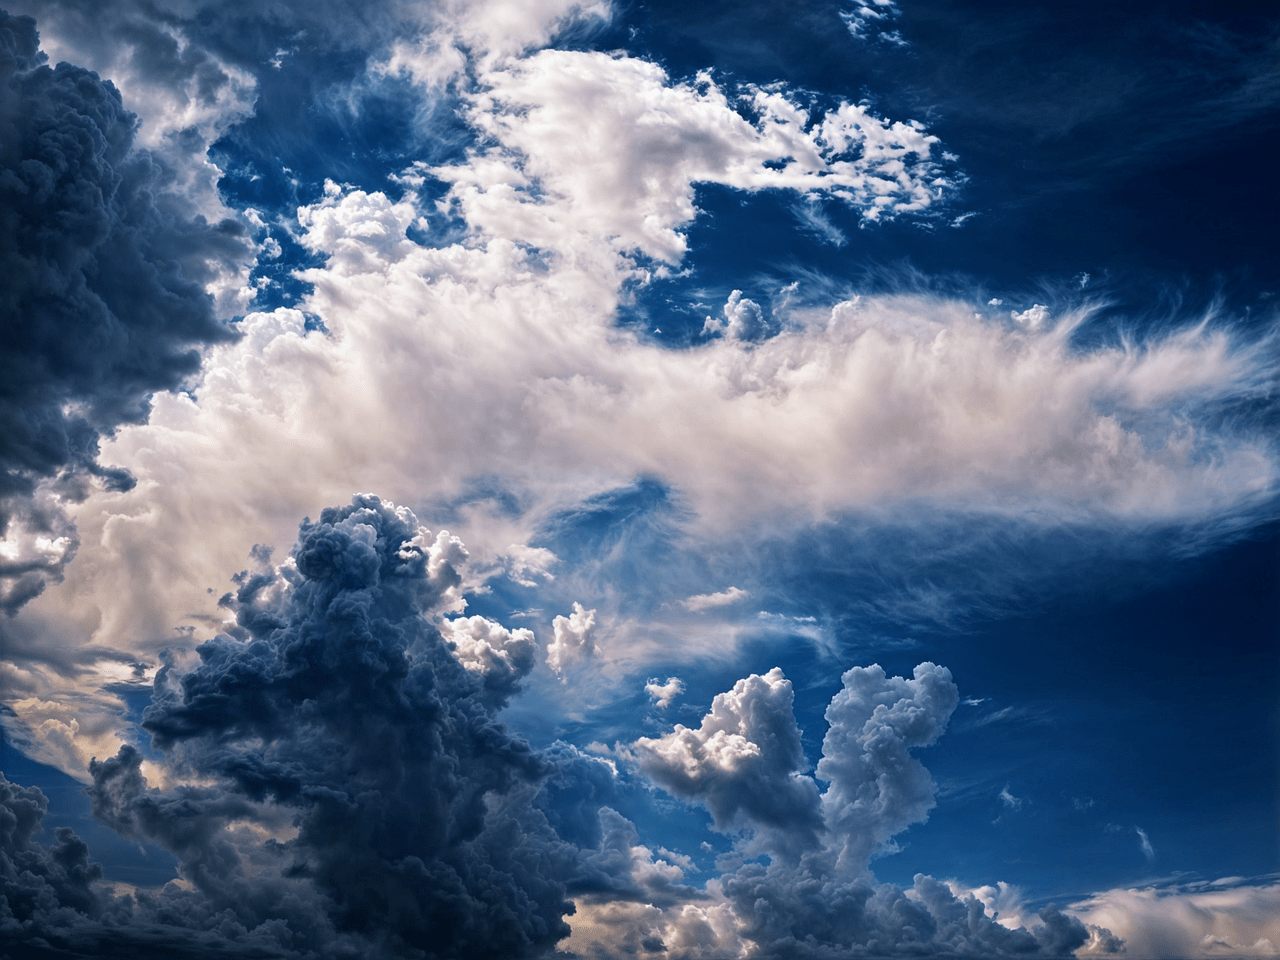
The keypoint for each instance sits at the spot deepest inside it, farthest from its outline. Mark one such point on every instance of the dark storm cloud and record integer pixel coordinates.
(42, 887)
(335, 715)
(339, 703)
(103, 300)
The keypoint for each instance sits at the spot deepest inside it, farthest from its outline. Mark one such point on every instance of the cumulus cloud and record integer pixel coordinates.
(743, 319)
(42, 888)
(743, 763)
(574, 641)
(664, 694)
(337, 781)
(1230, 917)
(815, 896)
(103, 302)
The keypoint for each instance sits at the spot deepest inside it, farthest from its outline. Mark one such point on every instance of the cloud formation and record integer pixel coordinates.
(337, 779)
(815, 896)
(104, 300)
(1230, 917)
(574, 640)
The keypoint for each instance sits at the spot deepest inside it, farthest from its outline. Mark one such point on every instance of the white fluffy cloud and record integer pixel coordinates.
(663, 694)
(575, 639)
(706, 601)
(744, 762)
(590, 151)
(1224, 918)
(497, 357)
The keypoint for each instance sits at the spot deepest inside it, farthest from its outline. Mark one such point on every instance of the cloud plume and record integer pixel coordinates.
(103, 302)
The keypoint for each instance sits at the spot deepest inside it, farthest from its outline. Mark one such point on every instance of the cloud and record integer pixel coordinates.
(869, 18)
(104, 300)
(1033, 317)
(42, 887)
(743, 763)
(575, 639)
(708, 601)
(588, 153)
(1223, 918)
(816, 897)
(663, 694)
(348, 777)
(1009, 800)
(743, 320)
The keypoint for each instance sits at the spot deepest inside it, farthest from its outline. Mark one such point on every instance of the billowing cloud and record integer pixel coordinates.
(743, 319)
(337, 776)
(816, 897)
(663, 694)
(104, 300)
(574, 639)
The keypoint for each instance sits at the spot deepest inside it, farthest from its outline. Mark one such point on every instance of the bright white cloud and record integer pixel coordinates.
(575, 639)
(488, 358)
(708, 601)
(663, 694)
(594, 152)
(1224, 918)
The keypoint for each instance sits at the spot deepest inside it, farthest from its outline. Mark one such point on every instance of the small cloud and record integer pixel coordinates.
(663, 693)
(574, 639)
(812, 218)
(1144, 842)
(1033, 317)
(960, 220)
(1009, 800)
(995, 302)
(705, 601)
(973, 701)
(1082, 279)
(1082, 803)
(743, 320)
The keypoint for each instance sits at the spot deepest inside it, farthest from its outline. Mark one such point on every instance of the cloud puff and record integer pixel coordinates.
(574, 641)
(743, 319)
(815, 897)
(743, 763)
(707, 601)
(103, 301)
(662, 694)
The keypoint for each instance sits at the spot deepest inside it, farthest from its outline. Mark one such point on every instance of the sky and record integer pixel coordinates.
(587, 479)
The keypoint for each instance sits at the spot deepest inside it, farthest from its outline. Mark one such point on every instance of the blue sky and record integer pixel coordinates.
(490, 479)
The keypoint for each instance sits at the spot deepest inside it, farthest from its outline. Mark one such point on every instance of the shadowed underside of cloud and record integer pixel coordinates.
(103, 300)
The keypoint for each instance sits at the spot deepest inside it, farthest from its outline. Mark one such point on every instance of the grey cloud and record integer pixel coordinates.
(819, 900)
(339, 703)
(103, 302)
(42, 888)
(744, 764)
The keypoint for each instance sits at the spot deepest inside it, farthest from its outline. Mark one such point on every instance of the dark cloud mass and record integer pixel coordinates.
(340, 786)
(337, 711)
(103, 301)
